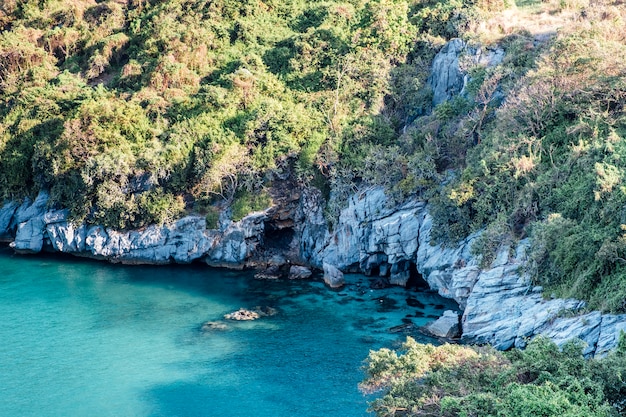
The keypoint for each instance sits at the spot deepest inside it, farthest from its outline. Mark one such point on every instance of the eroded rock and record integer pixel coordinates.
(447, 326)
(333, 277)
(299, 272)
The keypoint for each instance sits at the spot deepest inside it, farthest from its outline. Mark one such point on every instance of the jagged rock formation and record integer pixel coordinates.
(449, 77)
(500, 304)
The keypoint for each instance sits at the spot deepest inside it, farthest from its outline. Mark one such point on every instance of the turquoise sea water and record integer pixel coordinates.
(85, 338)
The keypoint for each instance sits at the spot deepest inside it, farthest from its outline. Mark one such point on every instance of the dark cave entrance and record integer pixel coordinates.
(278, 239)
(416, 280)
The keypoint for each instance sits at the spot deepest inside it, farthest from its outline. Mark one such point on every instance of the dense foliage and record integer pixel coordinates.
(131, 111)
(136, 111)
(453, 380)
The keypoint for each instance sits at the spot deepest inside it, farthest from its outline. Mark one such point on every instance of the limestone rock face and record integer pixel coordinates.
(182, 241)
(373, 238)
(501, 305)
(237, 243)
(448, 77)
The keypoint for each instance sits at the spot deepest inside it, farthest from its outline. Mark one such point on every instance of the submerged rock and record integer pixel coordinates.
(213, 325)
(272, 272)
(299, 272)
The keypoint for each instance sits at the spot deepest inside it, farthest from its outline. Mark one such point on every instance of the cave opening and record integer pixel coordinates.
(278, 238)
(416, 280)
(375, 272)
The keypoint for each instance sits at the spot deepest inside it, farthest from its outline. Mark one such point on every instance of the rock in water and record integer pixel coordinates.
(256, 313)
(242, 314)
(213, 325)
(299, 272)
(446, 326)
(333, 277)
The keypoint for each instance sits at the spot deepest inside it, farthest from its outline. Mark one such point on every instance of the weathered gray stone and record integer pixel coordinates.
(333, 277)
(370, 233)
(237, 243)
(29, 210)
(29, 236)
(65, 237)
(446, 79)
(6, 215)
(447, 326)
(299, 272)
(449, 77)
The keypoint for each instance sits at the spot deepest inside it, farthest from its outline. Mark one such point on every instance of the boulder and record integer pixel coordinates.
(447, 326)
(242, 314)
(299, 272)
(333, 277)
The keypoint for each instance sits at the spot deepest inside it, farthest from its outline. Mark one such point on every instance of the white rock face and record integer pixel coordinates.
(501, 306)
(182, 241)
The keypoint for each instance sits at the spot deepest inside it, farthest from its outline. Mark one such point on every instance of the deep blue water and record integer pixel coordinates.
(85, 338)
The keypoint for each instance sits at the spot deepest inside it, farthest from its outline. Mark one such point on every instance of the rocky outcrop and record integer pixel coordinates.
(188, 239)
(500, 304)
(371, 237)
(449, 68)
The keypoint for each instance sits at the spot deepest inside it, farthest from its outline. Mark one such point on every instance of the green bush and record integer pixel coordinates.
(452, 380)
(247, 202)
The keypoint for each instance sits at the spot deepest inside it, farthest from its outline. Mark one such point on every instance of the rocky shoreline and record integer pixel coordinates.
(373, 237)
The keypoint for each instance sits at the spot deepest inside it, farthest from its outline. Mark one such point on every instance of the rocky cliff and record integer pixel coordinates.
(499, 304)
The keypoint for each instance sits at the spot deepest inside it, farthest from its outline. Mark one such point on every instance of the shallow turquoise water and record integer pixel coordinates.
(81, 338)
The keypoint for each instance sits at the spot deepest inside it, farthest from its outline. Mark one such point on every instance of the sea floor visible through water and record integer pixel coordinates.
(87, 338)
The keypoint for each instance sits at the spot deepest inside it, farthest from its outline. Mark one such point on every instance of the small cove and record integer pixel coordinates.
(90, 338)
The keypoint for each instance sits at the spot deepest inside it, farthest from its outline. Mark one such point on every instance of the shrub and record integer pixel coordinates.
(452, 380)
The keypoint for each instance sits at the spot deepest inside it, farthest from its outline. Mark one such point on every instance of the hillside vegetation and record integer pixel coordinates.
(129, 111)
(134, 112)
